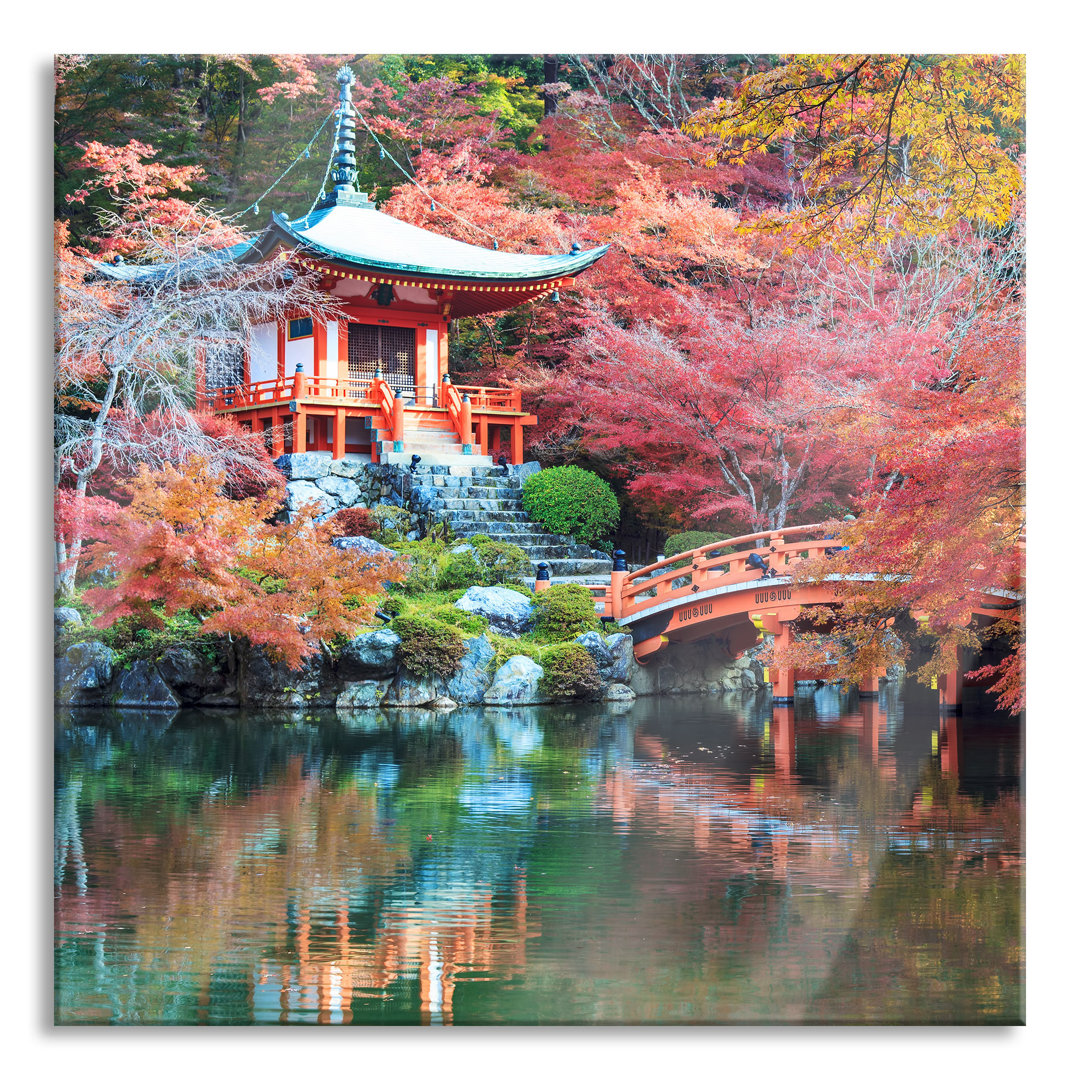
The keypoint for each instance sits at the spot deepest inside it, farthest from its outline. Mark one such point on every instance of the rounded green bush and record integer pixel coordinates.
(566, 610)
(428, 646)
(570, 670)
(571, 502)
(677, 543)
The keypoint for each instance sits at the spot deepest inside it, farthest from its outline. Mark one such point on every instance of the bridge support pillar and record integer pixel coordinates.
(950, 686)
(868, 688)
(783, 676)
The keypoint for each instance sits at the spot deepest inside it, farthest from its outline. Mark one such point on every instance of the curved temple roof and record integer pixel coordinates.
(362, 237)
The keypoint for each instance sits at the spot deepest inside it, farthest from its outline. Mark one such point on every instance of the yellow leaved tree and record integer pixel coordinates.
(880, 146)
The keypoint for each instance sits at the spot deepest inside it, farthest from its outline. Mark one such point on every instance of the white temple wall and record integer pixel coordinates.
(300, 352)
(331, 348)
(263, 353)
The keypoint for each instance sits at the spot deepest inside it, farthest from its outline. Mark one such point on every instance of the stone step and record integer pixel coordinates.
(563, 568)
(496, 517)
(446, 458)
(479, 506)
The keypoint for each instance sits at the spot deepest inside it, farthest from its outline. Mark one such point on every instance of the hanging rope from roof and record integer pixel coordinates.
(305, 153)
(383, 152)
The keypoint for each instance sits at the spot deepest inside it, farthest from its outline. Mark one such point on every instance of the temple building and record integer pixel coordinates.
(374, 380)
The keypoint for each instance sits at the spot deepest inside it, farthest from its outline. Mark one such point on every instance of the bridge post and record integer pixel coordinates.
(949, 688)
(868, 688)
(543, 578)
(618, 576)
(783, 676)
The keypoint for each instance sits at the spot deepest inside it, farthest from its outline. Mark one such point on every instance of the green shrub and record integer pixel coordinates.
(500, 562)
(505, 647)
(460, 570)
(428, 559)
(393, 523)
(571, 502)
(566, 610)
(687, 541)
(569, 671)
(428, 646)
(469, 623)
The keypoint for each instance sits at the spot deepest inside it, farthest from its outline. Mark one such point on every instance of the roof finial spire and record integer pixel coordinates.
(343, 173)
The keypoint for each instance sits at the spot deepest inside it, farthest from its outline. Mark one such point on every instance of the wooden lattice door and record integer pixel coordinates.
(391, 349)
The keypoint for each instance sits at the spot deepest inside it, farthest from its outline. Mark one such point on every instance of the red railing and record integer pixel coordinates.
(343, 390)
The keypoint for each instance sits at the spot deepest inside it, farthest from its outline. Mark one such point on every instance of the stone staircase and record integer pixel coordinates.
(477, 498)
(429, 434)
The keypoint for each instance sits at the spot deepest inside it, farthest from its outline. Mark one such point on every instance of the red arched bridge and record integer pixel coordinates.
(712, 591)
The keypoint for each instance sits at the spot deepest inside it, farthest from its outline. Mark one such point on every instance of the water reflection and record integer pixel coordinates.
(711, 860)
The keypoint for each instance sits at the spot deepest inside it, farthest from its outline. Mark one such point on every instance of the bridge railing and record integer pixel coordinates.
(691, 572)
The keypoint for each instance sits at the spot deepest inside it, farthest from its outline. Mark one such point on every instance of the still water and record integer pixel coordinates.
(676, 861)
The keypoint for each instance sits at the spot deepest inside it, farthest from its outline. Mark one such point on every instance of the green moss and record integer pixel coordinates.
(570, 670)
(428, 645)
(564, 611)
(571, 502)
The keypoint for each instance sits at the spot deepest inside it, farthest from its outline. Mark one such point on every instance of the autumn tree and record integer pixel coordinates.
(180, 544)
(129, 343)
(882, 144)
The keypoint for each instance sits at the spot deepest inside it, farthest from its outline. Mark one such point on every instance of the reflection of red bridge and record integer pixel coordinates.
(704, 592)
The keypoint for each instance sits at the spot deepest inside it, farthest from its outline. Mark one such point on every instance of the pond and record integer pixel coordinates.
(673, 861)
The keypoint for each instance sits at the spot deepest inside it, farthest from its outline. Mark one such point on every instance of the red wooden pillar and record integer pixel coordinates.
(949, 744)
(949, 687)
(299, 431)
(482, 434)
(277, 434)
(398, 434)
(339, 433)
(618, 580)
(517, 444)
(281, 351)
(202, 398)
(869, 686)
(783, 676)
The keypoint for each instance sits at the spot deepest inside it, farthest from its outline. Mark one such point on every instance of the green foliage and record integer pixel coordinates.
(393, 523)
(428, 646)
(571, 501)
(500, 563)
(428, 560)
(570, 670)
(460, 570)
(469, 623)
(131, 641)
(677, 543)
(505, 647)
(565, 610)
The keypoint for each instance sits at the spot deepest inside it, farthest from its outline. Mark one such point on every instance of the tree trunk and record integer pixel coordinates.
(551, 75)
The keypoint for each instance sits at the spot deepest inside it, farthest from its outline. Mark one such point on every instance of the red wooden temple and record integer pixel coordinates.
(374, 380)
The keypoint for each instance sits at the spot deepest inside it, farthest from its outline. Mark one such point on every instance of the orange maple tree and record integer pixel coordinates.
(181, 544)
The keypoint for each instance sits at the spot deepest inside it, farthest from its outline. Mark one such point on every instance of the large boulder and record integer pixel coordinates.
(619, 692)
(300, 492)
(409, 690)
(83, 673)
(304, 466)
(141, 687)
(345, 491)
(349, 469)
(598, 650)
(366, 694)
(516, 683)
(470, 682)
(508, 612)
(369, 655)
(621, 647)
(272, 684)
(191, 674)
(363, 545)
(63, 617)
